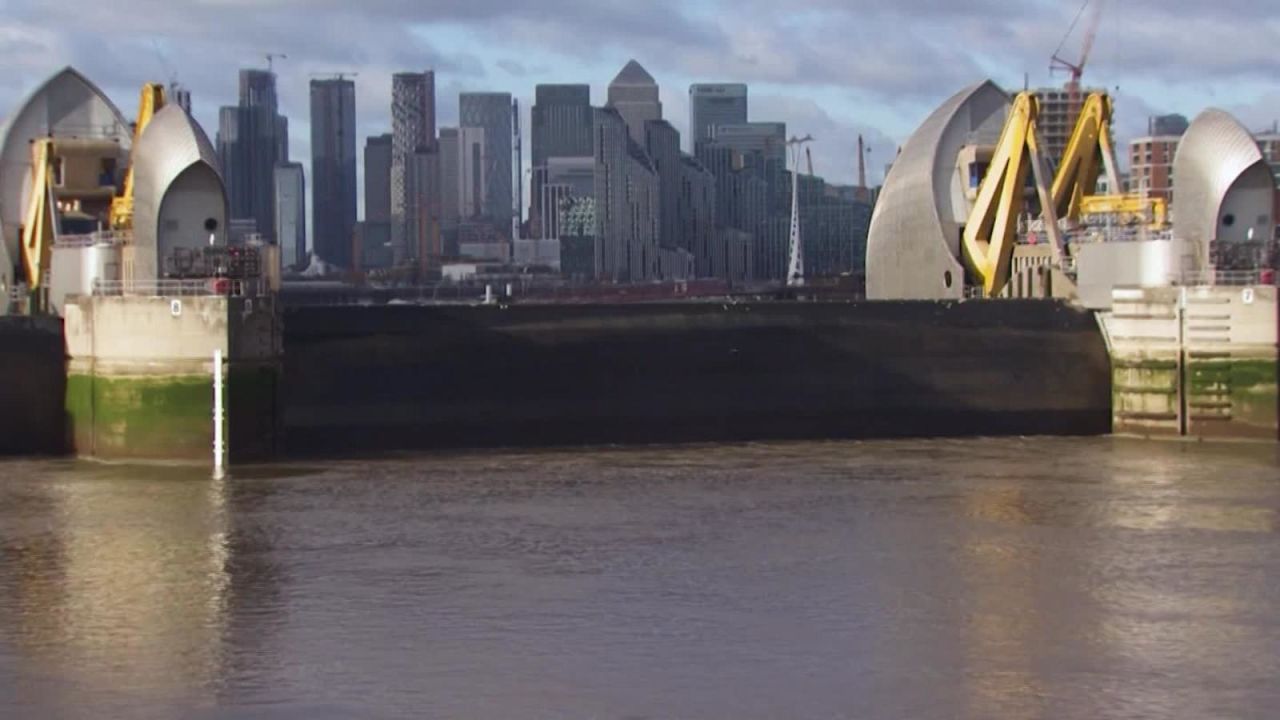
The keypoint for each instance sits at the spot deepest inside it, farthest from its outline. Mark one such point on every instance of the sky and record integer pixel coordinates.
(829, 68)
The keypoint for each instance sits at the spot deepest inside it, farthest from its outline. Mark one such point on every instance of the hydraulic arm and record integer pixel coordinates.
(38, 230)
(992, 229)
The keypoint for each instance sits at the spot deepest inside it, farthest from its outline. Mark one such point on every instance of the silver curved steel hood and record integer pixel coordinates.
(174, 154)
(1222, 187)
(66, 105)
(913, 248)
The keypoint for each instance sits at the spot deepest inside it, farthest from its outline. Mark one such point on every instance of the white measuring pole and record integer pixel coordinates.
(219, 449)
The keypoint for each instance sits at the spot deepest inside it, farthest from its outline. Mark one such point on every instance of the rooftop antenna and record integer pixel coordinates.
(795, 268)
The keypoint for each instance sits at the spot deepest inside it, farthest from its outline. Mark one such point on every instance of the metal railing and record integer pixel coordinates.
(102, 237)
(201, 287)
(1264, 277)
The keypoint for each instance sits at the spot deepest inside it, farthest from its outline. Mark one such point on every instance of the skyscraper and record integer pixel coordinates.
(712, 104)
(291, 214)
(662, 142)
(627, 203)
(449, 169)
(634, 94)
(375, 231)
(252, 139)
(413, 127)
(492, 112)
(333, 169)
(377, 179)
(561, 128)
(472, 170)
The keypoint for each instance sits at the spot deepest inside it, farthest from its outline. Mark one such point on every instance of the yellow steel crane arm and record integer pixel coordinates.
(38, 229)
(992, 228)
(1090, 142)
(151, 101)
(1075, 184)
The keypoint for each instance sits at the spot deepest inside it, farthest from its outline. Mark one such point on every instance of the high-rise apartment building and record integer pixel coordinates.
(634, 94)
(252, 139)
(333, 169)
(493, 113)
(1151, 157)
(712, 104)
(291, 214)
(413, 128)
(1059, 110)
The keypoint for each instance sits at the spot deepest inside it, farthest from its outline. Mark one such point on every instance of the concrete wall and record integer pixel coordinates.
(367, 379)
(33, 366)
(140, 376)
(1200, 362)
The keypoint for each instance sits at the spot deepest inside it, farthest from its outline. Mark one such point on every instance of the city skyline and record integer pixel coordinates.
(874, 82)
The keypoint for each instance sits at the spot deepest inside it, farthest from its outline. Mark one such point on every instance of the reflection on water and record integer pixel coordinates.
(992, 578)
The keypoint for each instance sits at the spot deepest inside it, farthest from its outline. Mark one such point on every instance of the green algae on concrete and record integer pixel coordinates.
(123, 417)
(1241, 391)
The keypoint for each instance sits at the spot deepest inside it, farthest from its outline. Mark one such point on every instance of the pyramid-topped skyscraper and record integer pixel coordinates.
(634, 94)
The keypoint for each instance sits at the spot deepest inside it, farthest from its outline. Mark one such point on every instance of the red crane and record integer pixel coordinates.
(1076, 69)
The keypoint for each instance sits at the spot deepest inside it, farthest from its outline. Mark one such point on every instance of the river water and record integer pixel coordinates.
(1047, 578)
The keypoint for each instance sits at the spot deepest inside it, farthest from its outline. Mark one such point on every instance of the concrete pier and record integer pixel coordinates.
(1195, 361)
(140, 376)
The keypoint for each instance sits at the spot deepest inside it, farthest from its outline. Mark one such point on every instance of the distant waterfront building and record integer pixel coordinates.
(662, 142)
(1059, 111)
(252, 139)
(472, 170)
(493, 113)
(1151, 165)
(180, 96)
(696, 210)
(1172, 124)
(413, 128)
(375, 230)
(626, 202)
(563, 179)
(712, 104)
(424, 178)
(291, 214)
(333, 169)
(449, 180)
(1151, 157)
(561, 127)
(377, 178)
(767, 140)
(634, 94)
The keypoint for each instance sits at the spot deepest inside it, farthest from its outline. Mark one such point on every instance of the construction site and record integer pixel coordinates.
(1012, 287)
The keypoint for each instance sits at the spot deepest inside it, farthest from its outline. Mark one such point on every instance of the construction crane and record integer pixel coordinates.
(150, 101)
(271, 58)
(991, 232)
(1076, 69)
